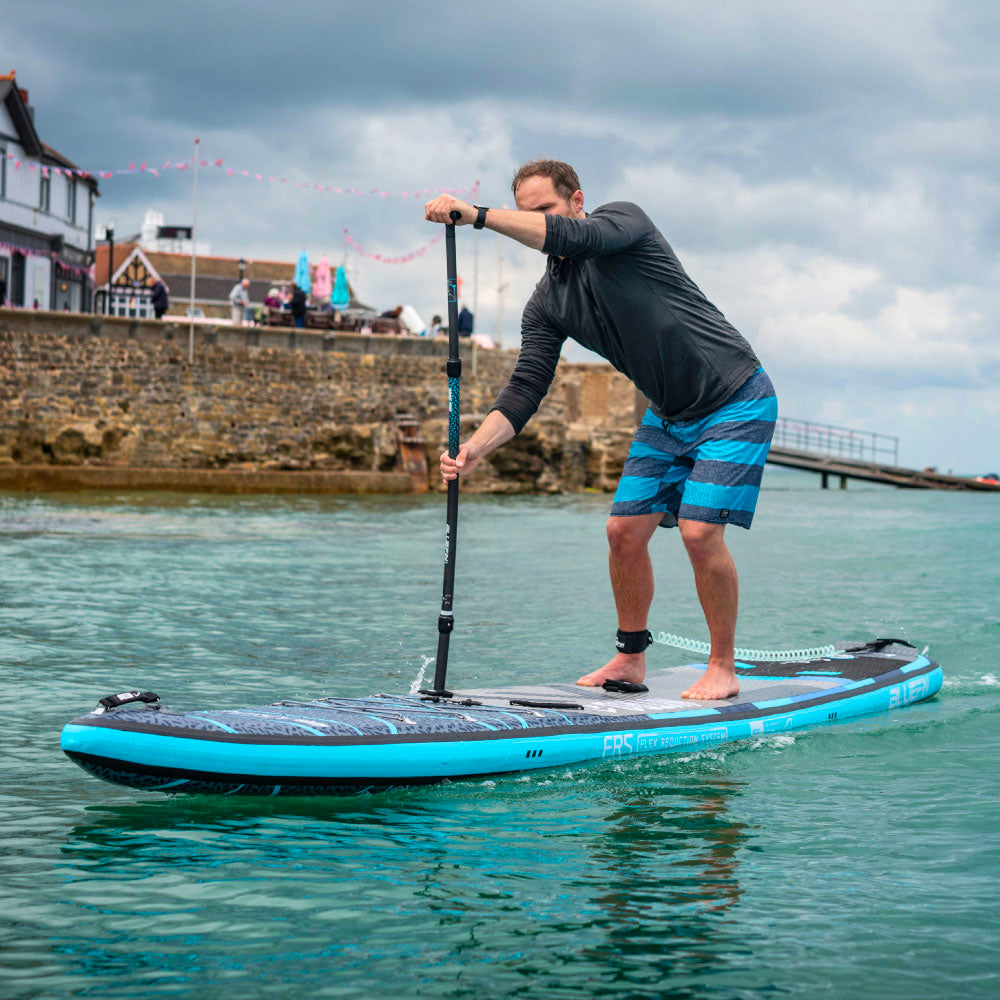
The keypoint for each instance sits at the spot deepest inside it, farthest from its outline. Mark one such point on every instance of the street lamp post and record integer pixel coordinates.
(242, 266)
(110, 233)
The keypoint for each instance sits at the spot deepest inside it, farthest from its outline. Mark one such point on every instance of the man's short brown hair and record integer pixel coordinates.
(562, 175)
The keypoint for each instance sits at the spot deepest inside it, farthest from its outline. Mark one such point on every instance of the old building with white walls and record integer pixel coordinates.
(46, 214)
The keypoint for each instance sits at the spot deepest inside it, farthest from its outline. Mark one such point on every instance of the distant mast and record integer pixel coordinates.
(500, 290)
(194, 237)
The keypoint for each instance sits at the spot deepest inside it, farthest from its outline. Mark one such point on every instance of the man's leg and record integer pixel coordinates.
(718, 590)
(632, 584)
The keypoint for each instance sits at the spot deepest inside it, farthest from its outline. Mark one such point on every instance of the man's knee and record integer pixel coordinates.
(628, 534)
(701, 539)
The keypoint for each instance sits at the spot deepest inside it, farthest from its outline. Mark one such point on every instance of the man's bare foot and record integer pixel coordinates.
(629, 667)
(718, 682)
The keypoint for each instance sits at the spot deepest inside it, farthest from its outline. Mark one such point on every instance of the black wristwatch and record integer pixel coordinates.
(481, 211)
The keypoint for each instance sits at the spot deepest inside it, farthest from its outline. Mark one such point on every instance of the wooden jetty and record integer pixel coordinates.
(852, 454)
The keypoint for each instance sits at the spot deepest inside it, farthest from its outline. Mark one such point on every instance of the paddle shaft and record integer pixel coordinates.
(446, 619)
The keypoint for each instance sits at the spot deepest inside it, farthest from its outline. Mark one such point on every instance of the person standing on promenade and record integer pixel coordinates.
(160, 299)
(613, 284)
(466, 322)
(297, 306)
(239, 299)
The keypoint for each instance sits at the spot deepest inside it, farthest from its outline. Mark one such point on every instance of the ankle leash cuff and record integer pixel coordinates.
(633, 642)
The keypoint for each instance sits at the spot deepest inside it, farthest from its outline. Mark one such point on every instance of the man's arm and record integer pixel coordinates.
(518, 400)
(494, 431)
(525, 227)
(609, 229)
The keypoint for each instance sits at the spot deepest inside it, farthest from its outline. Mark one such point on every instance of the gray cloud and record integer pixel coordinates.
(789, 151)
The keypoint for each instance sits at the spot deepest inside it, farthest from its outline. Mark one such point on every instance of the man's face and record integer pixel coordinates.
(538, 194)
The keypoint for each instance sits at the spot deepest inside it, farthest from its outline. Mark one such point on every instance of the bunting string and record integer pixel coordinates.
(137, 168)
(52, 255)
(353, 244)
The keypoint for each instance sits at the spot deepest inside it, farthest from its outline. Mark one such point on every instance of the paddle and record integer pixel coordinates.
(446, 620)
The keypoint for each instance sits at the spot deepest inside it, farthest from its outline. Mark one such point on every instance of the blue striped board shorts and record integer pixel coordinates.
(701, 470)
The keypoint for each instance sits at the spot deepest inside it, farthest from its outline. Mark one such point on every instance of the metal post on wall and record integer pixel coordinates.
(194, 237)
(500, 290)
(109, 232)
(475, 277)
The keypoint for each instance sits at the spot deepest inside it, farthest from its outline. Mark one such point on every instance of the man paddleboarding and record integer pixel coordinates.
(613, 284)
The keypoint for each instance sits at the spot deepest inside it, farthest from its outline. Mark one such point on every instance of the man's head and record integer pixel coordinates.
(548, 186)
(245, 282)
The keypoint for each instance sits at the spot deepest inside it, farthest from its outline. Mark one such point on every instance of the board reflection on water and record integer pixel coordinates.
(619, 875)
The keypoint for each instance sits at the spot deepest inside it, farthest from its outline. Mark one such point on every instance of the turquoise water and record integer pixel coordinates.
(847, 861)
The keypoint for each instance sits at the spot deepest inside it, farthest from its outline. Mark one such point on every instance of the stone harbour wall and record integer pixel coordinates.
(85, 394)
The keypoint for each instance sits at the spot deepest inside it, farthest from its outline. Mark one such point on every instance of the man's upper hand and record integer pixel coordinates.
(439, 209)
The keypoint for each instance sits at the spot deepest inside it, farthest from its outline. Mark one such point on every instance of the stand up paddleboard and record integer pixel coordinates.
(344, 745)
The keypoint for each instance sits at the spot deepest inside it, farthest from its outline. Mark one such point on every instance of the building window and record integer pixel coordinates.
(44, 192)
(3, 170)
(135, 303)
(71, 200)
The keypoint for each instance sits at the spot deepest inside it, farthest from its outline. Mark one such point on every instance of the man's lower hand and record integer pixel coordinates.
(440, 208)
(462, 464)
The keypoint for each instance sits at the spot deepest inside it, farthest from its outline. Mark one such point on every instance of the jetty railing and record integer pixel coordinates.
(840, 442)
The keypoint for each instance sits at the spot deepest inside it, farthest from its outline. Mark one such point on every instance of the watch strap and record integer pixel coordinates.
(481, 211)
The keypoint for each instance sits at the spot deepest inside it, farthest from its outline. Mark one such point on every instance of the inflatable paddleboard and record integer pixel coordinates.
(345, 745)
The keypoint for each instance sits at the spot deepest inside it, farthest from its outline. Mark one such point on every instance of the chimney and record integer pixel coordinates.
(27, 106)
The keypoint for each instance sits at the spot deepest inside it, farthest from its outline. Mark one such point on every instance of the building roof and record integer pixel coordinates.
(15, 99)
(54, 156)
(17, 107)
(215, 276)
(122, 252)
(226, 267)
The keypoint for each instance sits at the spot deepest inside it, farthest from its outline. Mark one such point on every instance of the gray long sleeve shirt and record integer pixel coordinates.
(620, 291)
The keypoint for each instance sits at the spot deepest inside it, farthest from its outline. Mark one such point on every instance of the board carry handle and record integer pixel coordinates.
(446, 620)
(113, 701)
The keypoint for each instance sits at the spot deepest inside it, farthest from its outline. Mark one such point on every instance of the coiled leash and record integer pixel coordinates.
(638, 642)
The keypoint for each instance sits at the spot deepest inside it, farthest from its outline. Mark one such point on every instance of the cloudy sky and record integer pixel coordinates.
(827, 172)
